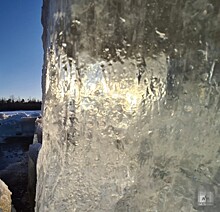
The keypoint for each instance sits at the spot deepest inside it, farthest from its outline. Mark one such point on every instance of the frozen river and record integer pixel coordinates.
(17, 123)
(16, 133)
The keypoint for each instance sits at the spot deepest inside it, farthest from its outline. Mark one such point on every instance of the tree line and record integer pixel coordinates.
(12, 104)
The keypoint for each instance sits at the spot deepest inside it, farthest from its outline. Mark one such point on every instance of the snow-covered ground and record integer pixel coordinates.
(31, 113)
(17, 123)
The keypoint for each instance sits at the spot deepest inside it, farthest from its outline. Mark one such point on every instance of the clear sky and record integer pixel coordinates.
(21, 53)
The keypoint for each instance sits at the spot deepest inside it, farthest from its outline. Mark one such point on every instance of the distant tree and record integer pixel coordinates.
(12, 97)
(9, 101)
(3, 100)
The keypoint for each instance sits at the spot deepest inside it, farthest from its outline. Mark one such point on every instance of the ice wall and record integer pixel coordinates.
(131, 106)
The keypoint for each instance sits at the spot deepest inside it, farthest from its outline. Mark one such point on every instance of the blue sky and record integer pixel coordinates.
(21, 53)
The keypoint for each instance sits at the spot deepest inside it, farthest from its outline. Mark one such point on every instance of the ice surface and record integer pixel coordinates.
(131, 122)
